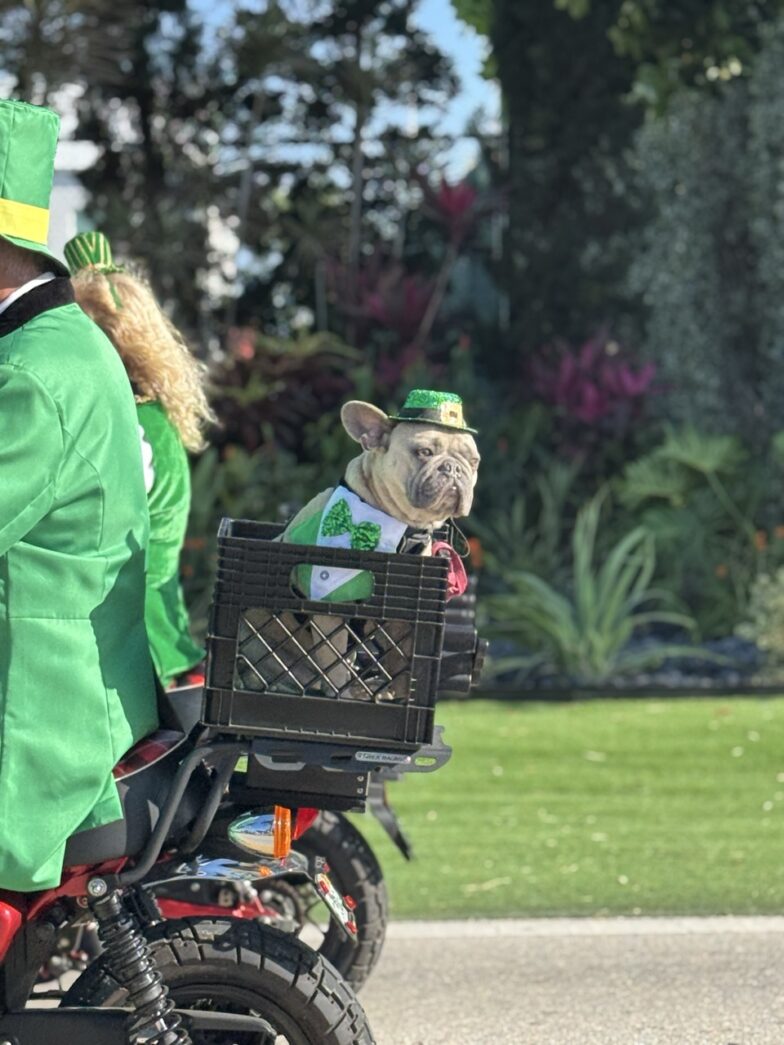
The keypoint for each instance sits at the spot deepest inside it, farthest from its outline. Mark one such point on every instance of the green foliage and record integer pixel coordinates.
(572, 214)
(477, 13)
(710, 263)
(692, 43)
(764, 622)
(576, 8)
(241, 128)
(153, 184)
(340, 72)
(700, 496)
(569, 70)
(268, 390)
(584, 633)
(695, 263)
(527, 531)
(54, 42)
(685, 460)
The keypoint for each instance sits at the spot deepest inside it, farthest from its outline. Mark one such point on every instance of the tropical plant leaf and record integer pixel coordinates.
(706, 454)
(653, 478)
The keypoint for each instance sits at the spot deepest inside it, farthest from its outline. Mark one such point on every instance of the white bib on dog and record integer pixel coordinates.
(346, 522)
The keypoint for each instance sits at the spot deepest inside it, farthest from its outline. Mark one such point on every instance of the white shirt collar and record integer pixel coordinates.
(30, 285)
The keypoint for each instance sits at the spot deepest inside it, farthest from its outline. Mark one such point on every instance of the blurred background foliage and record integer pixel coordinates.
(604, 285)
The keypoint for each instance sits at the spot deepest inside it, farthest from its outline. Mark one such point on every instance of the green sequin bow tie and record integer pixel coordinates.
(364, 536)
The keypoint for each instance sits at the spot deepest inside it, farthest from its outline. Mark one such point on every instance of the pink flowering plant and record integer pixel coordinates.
(596, 390)
(453, 206)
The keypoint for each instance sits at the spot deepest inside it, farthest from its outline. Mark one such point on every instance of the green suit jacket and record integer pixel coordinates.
(76, 680)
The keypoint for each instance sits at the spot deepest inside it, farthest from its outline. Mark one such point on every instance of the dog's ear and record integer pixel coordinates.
(366, 424)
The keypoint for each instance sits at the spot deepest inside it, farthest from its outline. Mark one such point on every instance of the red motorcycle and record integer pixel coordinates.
(194, 980)
(288, 901)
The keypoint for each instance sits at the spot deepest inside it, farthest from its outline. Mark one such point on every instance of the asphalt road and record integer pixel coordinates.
(647, 981)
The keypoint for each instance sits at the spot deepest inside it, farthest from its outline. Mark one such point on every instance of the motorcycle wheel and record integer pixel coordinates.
(242, 967)
(356, 872)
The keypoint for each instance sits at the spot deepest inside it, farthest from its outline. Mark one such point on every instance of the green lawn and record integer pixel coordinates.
(602, 807)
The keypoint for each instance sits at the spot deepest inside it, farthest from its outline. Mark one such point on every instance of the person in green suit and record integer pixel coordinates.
(172, 410)
(77, 687)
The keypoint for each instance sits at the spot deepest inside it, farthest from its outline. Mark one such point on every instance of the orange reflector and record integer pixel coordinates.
(281, 832)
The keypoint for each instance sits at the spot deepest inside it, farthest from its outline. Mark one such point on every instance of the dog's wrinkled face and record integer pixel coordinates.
(418, 472)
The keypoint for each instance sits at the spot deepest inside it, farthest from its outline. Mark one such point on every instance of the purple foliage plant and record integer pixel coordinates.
(598, 391)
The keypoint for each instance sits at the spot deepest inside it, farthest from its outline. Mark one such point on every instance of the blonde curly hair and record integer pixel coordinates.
(159, 363)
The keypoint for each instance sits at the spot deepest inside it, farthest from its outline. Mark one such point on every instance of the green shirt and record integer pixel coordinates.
(76, 682)
(173, 649)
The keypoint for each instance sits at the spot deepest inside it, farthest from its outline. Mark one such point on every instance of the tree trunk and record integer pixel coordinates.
(358, 188)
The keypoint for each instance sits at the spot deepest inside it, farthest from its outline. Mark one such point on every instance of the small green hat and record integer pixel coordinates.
(90, 250)
(28, 140)
(444, 409)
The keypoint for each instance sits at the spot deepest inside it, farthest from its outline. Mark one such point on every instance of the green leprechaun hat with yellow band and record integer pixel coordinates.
(28, 141)
(443, 409)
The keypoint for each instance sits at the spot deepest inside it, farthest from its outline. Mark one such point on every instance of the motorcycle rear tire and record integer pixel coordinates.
(241, 966)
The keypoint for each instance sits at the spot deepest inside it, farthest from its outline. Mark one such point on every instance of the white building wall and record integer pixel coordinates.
(69, 197)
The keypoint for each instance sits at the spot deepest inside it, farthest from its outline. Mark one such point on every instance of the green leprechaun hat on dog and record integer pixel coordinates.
(443, 409)
(28, 140)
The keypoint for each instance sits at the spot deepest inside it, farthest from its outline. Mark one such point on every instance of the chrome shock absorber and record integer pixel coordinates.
(130, 961)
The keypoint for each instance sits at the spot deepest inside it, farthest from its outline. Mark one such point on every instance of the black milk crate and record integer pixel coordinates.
(357, 675)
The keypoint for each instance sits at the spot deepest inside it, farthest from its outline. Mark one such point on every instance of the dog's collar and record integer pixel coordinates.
(414, 541)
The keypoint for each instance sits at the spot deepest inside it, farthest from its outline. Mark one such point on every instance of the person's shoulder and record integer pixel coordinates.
(68, 354)
(69, 318)
(156, 422)
(67, 323)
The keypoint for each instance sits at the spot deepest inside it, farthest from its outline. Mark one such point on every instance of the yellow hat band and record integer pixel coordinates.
(451, 414)
(24, 220)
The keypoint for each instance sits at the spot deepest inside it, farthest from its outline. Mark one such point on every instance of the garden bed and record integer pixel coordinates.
(718, 667)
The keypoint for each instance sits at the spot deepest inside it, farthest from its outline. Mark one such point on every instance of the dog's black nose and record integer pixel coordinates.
(448, 468)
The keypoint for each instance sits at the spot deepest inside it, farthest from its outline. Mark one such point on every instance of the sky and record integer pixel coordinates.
(467, 50)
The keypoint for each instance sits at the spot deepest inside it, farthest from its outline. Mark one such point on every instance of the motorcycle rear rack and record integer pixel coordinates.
(283, 756)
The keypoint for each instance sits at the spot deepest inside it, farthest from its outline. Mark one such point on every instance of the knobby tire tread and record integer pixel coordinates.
(289, 974)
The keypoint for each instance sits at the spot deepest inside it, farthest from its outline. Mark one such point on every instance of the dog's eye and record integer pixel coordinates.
(423, 451)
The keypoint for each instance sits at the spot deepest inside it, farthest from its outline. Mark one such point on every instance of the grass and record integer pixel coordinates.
(603, 807)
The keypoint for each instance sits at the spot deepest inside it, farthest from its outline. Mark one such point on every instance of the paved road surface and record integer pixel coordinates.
(685, 981)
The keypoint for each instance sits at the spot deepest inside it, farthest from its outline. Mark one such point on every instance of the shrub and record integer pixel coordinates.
(699, 495)
(765, 616)
(584, 632)
(709, 265)
(597, 386)
(528, 532)
(266, 389)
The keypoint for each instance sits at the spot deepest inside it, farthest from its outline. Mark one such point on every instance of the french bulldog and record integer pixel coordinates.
(412, 475)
